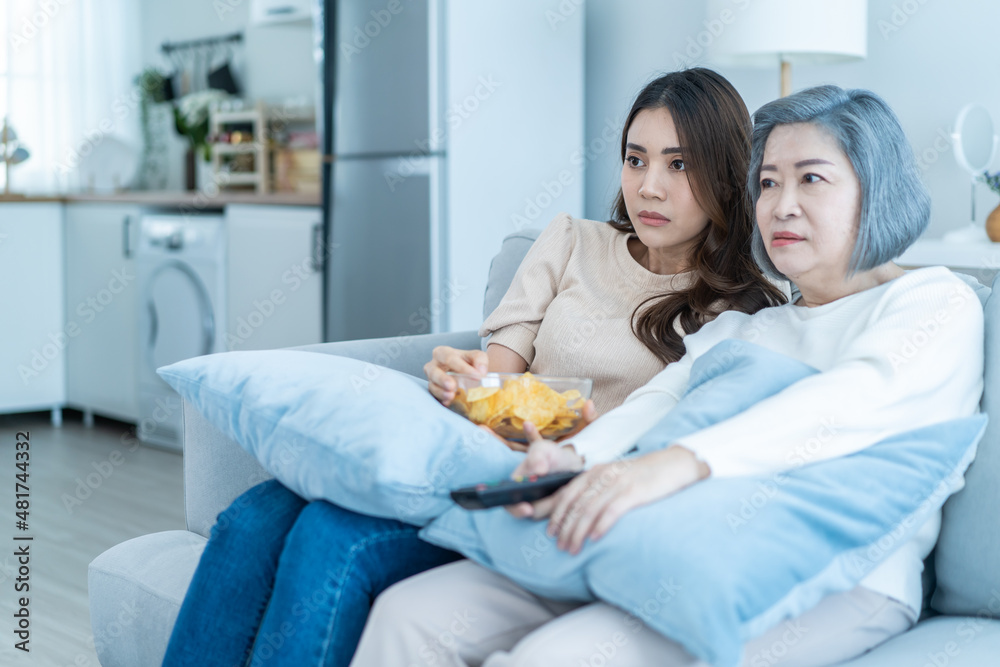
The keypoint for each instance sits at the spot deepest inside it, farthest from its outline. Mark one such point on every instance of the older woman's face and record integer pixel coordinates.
(809, 205)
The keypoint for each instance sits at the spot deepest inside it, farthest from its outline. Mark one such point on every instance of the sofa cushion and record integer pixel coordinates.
(503, 267)
(943, 641)
(136, 589)
(967, 560)
(364, 437)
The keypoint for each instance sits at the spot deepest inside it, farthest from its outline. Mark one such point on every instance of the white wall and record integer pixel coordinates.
(926, 58)
(507, 154)
(273, 62)
(627, 44)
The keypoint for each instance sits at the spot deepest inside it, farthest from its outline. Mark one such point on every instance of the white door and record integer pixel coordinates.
(102, 297)
(34, 334)
(274, 283)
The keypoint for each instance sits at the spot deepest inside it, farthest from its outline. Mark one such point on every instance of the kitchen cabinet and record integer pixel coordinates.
(102, 303)
(71, 304)
(35, 335)
(274, 277)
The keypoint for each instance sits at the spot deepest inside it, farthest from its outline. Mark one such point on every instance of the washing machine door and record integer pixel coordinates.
(181, 318)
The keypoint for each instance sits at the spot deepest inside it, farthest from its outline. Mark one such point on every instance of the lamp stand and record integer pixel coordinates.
(973, 200)
(786, 78)
(6, 160)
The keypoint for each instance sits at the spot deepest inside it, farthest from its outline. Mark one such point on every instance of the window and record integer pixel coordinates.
(66, 71)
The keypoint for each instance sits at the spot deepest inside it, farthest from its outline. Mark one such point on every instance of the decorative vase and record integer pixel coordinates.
(190, 170)
(197, 171)
(203, 174)
(993, 225)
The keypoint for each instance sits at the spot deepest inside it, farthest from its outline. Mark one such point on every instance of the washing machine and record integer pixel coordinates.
(180, 270)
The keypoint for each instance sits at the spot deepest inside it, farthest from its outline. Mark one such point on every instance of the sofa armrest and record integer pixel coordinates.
(217, 470)
(407, 354)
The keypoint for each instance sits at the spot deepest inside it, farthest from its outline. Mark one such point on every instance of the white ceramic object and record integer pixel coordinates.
(970, 233)
(112, 165)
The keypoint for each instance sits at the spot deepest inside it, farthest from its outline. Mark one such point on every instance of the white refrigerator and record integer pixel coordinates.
(444, 121)
(386, 159)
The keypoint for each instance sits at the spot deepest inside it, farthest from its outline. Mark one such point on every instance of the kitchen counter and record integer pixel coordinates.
(177, 199)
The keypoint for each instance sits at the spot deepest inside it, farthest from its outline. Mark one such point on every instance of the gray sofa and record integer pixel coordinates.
(136, 587)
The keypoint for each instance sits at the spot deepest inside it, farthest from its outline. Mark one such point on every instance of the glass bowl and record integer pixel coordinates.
(504, 401)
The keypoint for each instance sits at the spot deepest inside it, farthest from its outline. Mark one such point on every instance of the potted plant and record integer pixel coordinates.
(151, 84)
(992, 181)
(191, 116)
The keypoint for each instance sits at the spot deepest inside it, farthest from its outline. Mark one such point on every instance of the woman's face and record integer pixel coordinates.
(810, 204)
(655, 186)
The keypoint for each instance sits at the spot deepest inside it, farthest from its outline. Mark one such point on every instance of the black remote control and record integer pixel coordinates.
(510, 491)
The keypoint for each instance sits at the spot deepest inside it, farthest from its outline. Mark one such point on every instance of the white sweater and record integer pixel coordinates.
(905, 354)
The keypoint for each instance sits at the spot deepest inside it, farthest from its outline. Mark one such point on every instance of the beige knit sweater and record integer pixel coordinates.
(568, 310)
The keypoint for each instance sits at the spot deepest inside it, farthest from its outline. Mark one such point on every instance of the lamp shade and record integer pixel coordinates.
(763, 33)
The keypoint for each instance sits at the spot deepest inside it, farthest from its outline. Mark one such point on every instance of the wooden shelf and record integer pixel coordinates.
(177, 199)
(242, 116)
(257, 117)
(233, 149)
(966, 255)
(237, 178)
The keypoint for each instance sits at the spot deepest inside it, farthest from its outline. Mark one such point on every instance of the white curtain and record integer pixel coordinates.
(66, 85)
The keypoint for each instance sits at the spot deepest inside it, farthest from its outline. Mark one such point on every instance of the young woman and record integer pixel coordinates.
(283, 581)
(838, 196)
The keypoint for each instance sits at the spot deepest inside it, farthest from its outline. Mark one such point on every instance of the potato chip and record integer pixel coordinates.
(541, 408)
(480, 411)
(570, 395)
(479, 393)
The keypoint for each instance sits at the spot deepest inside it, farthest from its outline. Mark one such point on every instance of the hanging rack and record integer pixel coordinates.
(168, 47)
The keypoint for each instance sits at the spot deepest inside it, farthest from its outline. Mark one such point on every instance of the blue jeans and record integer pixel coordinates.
(283, 581)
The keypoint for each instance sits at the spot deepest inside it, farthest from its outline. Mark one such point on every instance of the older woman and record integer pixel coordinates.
(837, 198)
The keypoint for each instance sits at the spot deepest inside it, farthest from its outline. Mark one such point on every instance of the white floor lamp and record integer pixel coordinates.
(769, 33)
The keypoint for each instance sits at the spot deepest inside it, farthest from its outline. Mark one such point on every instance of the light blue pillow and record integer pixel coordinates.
(359, 435)
(726, 559)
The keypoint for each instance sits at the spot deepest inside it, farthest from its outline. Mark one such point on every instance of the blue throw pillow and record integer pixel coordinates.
(362, 436)
(726, 559)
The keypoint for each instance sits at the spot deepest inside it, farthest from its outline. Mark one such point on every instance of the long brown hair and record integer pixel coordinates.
(714, 127)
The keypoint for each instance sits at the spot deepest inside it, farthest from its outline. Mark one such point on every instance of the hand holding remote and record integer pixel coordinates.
(526, 487)
(544, 457)
(510, 491)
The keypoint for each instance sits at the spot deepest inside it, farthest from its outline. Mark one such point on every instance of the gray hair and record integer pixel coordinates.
(895, 204)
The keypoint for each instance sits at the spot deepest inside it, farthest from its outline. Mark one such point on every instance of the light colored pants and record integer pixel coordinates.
(462, 614)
